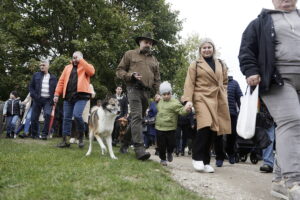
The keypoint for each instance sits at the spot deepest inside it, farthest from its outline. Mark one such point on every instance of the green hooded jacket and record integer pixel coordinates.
(167, 115)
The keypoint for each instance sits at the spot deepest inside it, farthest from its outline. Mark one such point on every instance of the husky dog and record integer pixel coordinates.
(101, 125)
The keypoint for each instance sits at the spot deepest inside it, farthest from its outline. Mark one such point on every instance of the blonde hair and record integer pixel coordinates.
(207, 40)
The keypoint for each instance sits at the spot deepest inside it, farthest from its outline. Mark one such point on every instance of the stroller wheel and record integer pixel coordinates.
(244, 158)
(253, 158)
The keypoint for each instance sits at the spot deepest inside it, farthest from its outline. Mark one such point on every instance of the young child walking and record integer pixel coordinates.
(12, 112)
(166, 122)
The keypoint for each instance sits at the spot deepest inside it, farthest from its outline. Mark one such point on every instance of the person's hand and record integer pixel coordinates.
(189, 104)
(187, 109)
(55, 99)
(253, 80)
(136, 75)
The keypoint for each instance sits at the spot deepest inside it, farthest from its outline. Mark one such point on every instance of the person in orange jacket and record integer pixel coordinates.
(74, 86)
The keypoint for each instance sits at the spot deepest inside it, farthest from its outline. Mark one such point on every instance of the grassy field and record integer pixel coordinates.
(35, 169)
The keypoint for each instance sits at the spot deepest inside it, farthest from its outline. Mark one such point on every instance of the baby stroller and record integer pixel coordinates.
(245, 147)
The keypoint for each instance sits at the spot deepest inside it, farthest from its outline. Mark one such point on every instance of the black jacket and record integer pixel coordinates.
(123, 102)
(35, 85)
(257, 51)
(234, 94)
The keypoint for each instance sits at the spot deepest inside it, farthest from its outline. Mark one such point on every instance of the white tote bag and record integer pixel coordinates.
(247, 116)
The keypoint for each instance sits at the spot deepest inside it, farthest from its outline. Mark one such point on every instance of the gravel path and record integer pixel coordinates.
(241, 181)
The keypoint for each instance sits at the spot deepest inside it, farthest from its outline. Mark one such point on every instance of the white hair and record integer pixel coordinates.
(165, 87)
(78, 53)
(46, 62)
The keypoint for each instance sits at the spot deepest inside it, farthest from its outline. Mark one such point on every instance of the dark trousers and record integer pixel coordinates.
(37, 106)
(138, 102)
(202, 143)
(182, 133)
(231, 138)
(116, 130)
(166, 142)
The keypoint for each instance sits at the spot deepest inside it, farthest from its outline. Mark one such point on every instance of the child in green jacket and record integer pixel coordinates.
(166, 122)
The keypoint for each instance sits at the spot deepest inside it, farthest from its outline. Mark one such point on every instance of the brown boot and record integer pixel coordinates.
(80, 140)
(140, 152)
(65, 142)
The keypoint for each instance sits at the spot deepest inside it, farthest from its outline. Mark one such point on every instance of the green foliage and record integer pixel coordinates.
(32, 169)
(190, 51)
(103, 30)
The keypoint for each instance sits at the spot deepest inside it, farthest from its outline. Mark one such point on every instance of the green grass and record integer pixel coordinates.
(34, 169)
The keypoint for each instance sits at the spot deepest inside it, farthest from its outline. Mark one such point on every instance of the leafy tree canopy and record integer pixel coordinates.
(103, 30)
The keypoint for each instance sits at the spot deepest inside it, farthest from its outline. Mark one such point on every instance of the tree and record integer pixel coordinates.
(191, 50)
(103, 30)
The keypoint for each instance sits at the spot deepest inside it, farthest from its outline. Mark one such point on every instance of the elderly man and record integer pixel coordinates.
(270, 57)
(41, 90)
(74, 86)
(140, 71)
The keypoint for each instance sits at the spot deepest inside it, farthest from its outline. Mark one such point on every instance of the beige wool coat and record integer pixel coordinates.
(208, 92)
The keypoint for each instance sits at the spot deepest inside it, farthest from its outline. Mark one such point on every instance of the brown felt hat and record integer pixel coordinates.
(146, 36)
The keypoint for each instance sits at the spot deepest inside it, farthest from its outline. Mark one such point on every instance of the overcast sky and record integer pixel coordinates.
(223, 21)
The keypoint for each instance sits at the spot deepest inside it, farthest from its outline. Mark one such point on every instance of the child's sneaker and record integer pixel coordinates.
(219, 163)
(170, 157)
(208, 169)
(163, 163)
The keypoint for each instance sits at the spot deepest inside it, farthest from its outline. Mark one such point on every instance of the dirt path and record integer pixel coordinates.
(241, 181)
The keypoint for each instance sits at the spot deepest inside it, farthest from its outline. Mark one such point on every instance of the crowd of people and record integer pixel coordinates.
(205, 117)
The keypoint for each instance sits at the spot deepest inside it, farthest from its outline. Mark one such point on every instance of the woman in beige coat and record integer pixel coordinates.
(205, 89)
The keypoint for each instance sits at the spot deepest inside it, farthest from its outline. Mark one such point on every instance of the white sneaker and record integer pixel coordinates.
(72, 140)
(208, 169)
(198, 165)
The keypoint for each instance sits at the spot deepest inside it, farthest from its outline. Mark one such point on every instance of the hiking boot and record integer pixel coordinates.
(140, 152)
(80, 140)
(208, 169)
(163, 163)
(279, 190)
(219, 163)
(198, 165)
(266, 168)
(294, 192)
(65, 142)
(170, 157)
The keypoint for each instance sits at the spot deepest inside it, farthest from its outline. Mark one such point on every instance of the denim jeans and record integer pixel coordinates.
(73, 109)
(11, 122)
(27, 121)
(268, 155)
(37, 106)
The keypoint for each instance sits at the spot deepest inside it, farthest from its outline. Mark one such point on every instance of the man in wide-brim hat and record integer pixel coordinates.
(146, 36)
(139, 69)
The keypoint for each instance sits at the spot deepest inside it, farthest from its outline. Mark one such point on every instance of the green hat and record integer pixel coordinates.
(146, 36)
